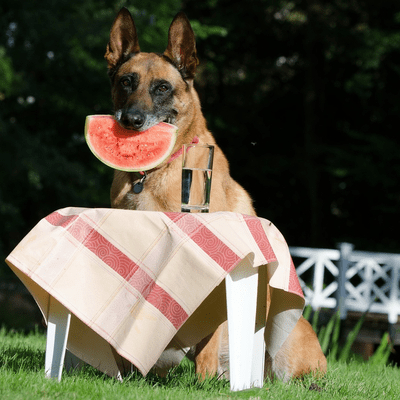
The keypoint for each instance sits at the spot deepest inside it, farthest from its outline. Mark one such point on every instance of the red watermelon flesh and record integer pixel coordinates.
(125, 149)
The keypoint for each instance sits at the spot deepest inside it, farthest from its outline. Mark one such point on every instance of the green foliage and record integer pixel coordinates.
(382, 353)
(329, 338)
(352, 336)
(325, 333)
(7, 74)
(203, 31)
(375, 48)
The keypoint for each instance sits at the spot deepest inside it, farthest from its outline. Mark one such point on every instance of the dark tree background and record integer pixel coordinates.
(302, 95)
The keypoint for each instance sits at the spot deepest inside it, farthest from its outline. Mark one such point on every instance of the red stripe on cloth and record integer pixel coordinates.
(125, 267)
(103, 249)
(294, 283)
(159, 298)
(214, 247)
(261, 238)
(175, 216)
(57, 219)
(258, 233)
(171, 309)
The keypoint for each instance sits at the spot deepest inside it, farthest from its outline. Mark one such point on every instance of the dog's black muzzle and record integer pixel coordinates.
(138, 120)
(131, 118)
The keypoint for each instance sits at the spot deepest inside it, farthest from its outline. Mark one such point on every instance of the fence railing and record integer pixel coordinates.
(349, 280)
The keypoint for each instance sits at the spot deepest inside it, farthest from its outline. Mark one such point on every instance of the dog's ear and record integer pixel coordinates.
(181, 49)
(123, 39)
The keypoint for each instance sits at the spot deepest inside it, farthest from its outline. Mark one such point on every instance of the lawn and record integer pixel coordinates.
(22, 377)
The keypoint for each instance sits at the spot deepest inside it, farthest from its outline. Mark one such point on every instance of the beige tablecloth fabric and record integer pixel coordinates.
(137, 282)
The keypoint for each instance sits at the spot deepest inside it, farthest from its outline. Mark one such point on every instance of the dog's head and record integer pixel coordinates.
(148, 88)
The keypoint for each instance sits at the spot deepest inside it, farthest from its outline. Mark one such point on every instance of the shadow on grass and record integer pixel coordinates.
(183, 376)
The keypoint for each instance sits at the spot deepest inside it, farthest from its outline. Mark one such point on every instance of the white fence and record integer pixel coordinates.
(349, 280)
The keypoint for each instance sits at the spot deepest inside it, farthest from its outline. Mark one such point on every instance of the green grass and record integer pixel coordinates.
(22, 377)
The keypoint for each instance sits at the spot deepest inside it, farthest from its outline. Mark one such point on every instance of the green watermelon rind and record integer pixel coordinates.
(134, 168)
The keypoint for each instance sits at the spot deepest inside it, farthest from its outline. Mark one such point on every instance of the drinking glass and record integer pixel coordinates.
(196, 177)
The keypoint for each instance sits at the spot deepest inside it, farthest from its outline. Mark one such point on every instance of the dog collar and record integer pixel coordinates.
(176, 154)
(138, 186)
(179, 152)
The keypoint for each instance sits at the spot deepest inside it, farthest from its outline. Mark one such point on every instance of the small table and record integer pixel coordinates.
(119, 286)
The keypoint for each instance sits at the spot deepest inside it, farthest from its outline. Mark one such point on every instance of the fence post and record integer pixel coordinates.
(345, 253)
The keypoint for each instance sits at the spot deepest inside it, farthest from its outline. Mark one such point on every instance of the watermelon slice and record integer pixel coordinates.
(128, 150)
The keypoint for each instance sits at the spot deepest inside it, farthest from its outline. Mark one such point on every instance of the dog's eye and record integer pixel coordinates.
(163, 88)
(126, 82)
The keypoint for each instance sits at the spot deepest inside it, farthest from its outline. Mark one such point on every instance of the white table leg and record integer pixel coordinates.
(257, 370)
(246, 342)
(57, 334)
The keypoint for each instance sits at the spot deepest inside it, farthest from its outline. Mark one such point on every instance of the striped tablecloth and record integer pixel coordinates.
(137, 281)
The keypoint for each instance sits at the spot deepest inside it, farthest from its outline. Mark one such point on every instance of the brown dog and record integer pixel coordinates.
(148, 88)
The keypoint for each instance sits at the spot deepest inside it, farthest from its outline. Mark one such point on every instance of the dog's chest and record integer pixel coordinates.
(161, 192)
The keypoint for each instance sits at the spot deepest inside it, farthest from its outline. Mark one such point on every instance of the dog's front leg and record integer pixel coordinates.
(206, 355)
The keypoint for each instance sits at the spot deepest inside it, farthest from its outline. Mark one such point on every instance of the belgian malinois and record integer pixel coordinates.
(148, 88)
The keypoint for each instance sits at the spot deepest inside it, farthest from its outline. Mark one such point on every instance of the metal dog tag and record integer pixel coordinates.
(138, 186)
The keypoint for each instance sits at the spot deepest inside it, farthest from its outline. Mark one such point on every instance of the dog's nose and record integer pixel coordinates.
(137, 119)
(133, 118)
